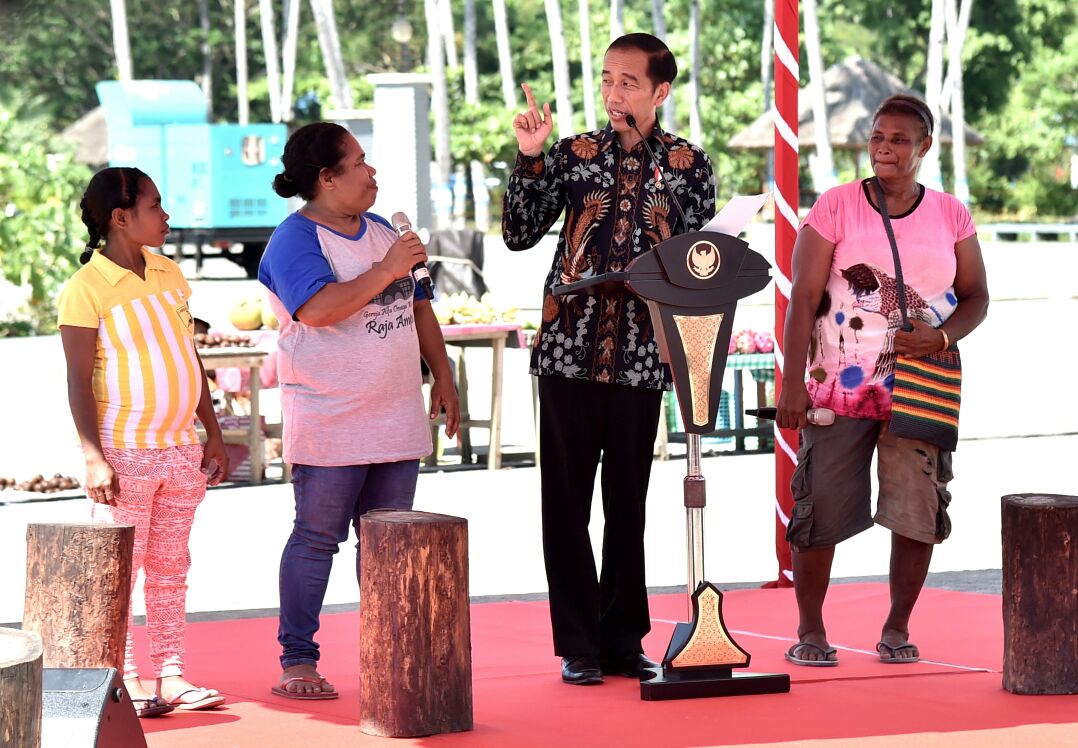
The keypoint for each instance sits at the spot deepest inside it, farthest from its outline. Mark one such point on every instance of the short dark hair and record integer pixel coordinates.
(109, 189)
(311, 148)
(662, 67)
(909, 106)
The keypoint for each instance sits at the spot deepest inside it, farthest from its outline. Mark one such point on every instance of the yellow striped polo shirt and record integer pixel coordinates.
(147, 381)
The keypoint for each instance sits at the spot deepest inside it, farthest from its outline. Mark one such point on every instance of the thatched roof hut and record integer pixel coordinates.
(90, 136)
(855, 88)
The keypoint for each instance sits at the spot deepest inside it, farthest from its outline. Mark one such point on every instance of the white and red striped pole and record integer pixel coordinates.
(786, 200)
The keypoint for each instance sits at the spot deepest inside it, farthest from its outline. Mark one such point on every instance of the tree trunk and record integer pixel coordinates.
(587, 64)
(505, 57)
(696, 127)
(328, 40)
(288, 45)
(478, 177)
(273, 68)
(957, 24)
(415, 642)
(443, 196)
(1040, 603)
(658, 21)
(78, 592)
(930, 166)
(120, 40)
(562, 87)
(20, 689)
(767, 59)
(823, 171)
(448, 31)
(242, 102)
(206, 80)
(617, 19)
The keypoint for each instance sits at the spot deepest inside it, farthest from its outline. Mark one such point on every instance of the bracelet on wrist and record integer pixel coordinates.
(946, 340)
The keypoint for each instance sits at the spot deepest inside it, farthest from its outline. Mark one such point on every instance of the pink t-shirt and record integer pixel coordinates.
(851, 352)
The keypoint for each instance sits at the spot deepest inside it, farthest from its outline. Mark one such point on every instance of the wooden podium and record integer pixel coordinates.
(691, 284)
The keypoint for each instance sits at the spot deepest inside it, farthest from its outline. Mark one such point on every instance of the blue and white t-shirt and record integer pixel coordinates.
(350, 392)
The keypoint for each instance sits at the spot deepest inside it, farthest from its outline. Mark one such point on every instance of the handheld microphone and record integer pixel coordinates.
(402, 225)
(816, 416)
(631, 121)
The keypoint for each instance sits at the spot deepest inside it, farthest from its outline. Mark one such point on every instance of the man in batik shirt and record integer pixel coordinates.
(596, 357)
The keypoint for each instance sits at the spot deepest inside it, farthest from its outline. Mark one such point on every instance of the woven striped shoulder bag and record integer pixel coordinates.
(927, 391)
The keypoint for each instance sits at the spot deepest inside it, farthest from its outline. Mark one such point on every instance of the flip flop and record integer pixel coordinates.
(894, 659)
(281, 689)
(789, 655)
(155, 706)
(206, 700)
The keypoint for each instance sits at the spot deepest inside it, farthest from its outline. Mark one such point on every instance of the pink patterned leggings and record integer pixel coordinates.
(160, 489)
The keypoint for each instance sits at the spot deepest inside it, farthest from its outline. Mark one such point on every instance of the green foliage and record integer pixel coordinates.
(41, 235)
(1019, 64)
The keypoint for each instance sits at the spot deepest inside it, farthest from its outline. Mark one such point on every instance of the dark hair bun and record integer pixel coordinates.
(285, 186)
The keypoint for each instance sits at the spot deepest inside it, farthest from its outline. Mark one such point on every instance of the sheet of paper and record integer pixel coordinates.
(736, 214)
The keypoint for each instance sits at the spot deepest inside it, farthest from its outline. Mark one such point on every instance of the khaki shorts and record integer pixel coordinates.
(832, 485)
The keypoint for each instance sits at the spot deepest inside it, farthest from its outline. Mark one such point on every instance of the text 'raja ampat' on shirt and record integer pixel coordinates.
(351, 392)
(851, 353)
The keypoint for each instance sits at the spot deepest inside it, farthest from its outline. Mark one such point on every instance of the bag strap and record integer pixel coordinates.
(906, 326)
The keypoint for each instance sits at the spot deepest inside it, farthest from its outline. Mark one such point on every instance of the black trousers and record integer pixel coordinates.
(603, 615)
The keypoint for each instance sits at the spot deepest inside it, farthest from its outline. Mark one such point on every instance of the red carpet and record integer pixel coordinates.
(519, 700)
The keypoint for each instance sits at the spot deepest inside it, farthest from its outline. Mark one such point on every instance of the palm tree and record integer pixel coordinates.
(617, 18)
(823, 171)
(480, 197)
(586, 64)
(561, 69)
(291, 33)
(767, 59)
(449, 32)
(206, 79)
(121, 43)
(330, 43)
(658, 22)
(930, 166)
(440, 105)
(505, 58)
(957, 22)
(240, 22)
(696, 129)
(269, 43)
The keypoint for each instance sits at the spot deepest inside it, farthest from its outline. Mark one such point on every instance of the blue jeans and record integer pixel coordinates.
(328, 499)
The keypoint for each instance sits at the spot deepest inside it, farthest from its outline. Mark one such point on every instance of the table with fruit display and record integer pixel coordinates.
(228, 354)
(468, 322)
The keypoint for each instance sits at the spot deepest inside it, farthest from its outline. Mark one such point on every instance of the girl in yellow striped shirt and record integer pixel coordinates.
(135, 385)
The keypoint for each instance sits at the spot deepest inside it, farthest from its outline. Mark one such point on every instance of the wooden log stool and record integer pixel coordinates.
(20, 689)
(415, 627)
(1040, 594)
(78, 592)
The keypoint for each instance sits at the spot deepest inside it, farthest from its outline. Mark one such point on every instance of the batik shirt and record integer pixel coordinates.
(851, 358)
(616, 209)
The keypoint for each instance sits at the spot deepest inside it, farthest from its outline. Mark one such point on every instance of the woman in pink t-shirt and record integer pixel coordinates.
(843, 329)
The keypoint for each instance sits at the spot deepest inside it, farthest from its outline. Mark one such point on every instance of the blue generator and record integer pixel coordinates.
(215, 179)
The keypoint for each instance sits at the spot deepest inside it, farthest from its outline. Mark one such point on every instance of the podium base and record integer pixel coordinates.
(698, 684)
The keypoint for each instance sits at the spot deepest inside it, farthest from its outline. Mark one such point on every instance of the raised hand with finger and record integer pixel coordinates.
(532, 127)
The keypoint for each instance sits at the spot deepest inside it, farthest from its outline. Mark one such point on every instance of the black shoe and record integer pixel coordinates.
(632, 665)
(581, 671)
